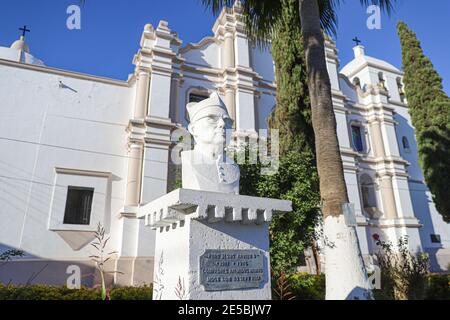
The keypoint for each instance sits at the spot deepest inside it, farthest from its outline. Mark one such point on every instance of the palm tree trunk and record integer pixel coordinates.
(346, 277)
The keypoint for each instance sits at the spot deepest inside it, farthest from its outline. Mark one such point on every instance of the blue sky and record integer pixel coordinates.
(111, 31)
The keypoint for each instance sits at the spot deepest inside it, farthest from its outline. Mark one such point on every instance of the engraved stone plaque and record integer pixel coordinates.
(222, 270)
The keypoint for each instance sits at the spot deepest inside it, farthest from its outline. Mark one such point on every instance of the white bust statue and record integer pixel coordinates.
(206, 168)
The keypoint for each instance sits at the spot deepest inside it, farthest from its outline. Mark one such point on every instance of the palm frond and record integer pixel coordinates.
(216, 6)
(385, 5)
(260, 16)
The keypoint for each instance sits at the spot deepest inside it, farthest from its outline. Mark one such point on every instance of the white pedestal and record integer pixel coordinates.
(211, 246)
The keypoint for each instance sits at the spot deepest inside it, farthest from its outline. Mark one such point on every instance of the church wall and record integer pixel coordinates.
(206, 55)
(404, 128)
(52, 121)
(262, 62)
(433, 224)
(264, 107)
(347, 89)
(391, 85)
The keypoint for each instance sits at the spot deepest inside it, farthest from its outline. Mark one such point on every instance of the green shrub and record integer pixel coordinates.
(307, 287)
(42, 292)
(404, 274)
(132, 293)
(438, 287)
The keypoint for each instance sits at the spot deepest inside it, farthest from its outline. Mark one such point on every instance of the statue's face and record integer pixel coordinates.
(211, 129)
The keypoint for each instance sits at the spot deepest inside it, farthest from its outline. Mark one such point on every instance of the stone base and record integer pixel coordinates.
(211, 246)
(177, 259)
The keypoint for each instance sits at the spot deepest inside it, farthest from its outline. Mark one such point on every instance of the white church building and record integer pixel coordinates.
(77, 150)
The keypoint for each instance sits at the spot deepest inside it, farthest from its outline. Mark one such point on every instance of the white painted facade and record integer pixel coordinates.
(60, 128)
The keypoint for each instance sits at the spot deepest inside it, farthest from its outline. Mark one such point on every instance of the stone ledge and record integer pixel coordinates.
(211, 207)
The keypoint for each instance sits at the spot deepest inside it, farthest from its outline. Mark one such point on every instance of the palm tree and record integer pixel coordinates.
(346, 276)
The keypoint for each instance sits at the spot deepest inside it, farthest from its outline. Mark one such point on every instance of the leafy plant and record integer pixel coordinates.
(403, 274)
(180, 290)
(297, 181)
(281, 288)
(307, 286)
(158, 282)
(438, 287)
(101, 258)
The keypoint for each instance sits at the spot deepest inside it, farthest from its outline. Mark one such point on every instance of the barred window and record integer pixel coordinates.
(195, 97)
(78, 205)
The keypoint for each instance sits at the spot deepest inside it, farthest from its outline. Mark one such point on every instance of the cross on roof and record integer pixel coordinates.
(24, 30)
(357, 41)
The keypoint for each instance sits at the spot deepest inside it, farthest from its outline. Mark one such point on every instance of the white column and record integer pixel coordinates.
(388, 197)
(134, 174)
(142, 90)
(230, 103)
(228, 51)
(377, 139)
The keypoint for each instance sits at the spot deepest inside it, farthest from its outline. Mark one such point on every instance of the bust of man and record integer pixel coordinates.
(206, 167)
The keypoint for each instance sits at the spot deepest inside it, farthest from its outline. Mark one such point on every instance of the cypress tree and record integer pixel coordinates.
(429, 107)
(292, 116)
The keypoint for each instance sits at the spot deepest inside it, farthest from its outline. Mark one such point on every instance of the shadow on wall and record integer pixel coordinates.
(32, 270)
(357, 293)
(418, 191)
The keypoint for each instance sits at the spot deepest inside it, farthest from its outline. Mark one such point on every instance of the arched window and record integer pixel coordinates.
(381, 81)
(406, 145)
(197, 97)
(400, 90)
(357, 137)
(368, 193)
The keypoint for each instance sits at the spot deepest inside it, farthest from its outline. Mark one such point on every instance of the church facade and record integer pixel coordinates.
(78, 151)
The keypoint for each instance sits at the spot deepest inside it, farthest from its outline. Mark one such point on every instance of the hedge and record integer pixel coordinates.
(305, 286)
(42, 292)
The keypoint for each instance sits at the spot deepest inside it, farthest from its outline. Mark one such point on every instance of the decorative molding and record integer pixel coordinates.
(198, 45)
(376, 66)
(80, 172)
(64, 73)
(395, 223)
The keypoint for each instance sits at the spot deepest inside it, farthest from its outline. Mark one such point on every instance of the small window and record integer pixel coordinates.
(357, 138)
(400, 90)
(406, 145)
(381, 81)
(78, 205)
(357, 82)
(435, 238)
(195, 97)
